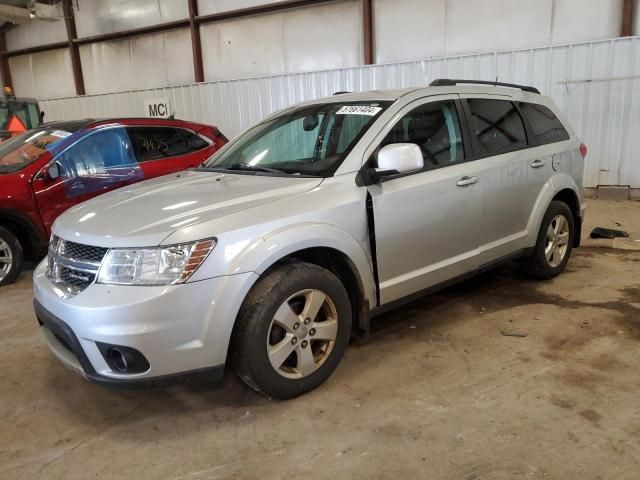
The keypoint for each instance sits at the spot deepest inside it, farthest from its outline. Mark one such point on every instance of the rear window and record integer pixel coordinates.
(546, 126)
(497, 126)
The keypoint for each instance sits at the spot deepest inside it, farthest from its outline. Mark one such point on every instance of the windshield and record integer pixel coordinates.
(20, 151)
(311, 140)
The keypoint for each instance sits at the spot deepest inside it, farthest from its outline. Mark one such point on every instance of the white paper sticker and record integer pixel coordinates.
(60, 133)
(358, 110)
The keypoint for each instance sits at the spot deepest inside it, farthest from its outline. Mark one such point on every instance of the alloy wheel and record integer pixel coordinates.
(6, 259)
(302, 333)
(557, 241)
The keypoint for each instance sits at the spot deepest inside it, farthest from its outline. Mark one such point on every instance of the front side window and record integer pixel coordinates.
(435, 128)
(497, 126)
(311, 140)
(545, 125)
(97, 162)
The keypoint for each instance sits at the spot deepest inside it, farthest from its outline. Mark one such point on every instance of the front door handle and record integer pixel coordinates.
(538, 163)
(466, 181)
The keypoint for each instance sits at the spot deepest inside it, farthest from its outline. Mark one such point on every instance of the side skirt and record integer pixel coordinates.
(440, 286)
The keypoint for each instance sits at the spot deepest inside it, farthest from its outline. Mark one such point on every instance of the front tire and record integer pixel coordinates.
(292, 330)
(10, 257)
(555, 243)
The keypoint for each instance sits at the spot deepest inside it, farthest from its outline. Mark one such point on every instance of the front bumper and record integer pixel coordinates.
(179, 329)
(64, 344)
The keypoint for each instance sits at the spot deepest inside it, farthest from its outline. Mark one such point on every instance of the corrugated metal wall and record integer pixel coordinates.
(596, 84)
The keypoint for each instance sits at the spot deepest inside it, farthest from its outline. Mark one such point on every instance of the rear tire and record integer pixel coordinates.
(10, 257)
(554, 245)
(292, 330)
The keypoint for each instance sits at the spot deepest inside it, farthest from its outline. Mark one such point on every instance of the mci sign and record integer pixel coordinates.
(157, 108)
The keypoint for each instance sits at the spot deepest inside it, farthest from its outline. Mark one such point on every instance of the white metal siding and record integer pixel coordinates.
(278, 43)
(108, 16)
(42, 74)
(596, 84)
(413, 29)
(147, 61)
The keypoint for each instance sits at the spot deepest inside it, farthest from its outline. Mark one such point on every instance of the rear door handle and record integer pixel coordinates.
(466, 181)
(538, 163)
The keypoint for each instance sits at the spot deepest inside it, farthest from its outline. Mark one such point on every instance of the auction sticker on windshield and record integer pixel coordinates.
(358, 110)
(60, 133)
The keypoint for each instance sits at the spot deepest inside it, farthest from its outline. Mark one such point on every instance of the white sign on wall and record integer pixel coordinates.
(157, 107)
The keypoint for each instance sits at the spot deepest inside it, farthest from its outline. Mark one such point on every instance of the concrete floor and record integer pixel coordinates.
(436, 392)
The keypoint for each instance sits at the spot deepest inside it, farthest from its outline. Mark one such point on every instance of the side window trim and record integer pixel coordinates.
(477, 155)
(465, 130)
(532, 140)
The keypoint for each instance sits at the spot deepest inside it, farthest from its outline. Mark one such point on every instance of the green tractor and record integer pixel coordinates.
(17, 115)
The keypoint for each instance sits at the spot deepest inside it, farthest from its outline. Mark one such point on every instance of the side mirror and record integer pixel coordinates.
(400, 157)
(392, 160)
(53, 171)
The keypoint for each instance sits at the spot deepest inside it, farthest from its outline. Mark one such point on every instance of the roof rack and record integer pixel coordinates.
(341, 92)
(448, 82)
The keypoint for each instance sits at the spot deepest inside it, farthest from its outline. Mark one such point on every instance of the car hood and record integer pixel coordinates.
(146, 213)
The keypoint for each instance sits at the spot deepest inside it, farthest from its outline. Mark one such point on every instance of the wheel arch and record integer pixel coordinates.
(570, 198)
(322, 244)
(560, 187)
(32, 240)
(341, 266)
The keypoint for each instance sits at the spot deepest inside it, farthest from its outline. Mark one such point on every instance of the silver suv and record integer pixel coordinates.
(282, 246)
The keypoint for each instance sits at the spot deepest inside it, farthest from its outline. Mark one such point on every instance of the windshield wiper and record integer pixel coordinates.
(252, 168)
(249, 168)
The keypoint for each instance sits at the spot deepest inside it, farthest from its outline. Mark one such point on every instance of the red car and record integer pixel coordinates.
(46, 170)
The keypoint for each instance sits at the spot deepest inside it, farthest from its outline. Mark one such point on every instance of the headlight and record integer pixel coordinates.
(154, 266)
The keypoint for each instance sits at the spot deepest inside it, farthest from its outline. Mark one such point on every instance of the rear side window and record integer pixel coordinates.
(194, 142)
(546, 126)
(154, 143)
(497, 126)
(435, 128)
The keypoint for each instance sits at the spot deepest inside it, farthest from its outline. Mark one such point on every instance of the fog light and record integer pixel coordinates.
(123, 359)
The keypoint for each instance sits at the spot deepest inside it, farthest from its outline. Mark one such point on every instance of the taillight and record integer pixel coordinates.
(583, 150)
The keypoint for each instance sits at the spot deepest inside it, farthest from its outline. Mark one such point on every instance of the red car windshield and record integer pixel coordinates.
(20, 151)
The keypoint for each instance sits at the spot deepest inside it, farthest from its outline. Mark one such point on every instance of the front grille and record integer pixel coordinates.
(75, 279)
(78, 251)
(73, 266)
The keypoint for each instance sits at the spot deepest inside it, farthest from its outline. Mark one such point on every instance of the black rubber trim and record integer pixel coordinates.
(62, 330)
(208, 375)
(371, 226)
(450, 82)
